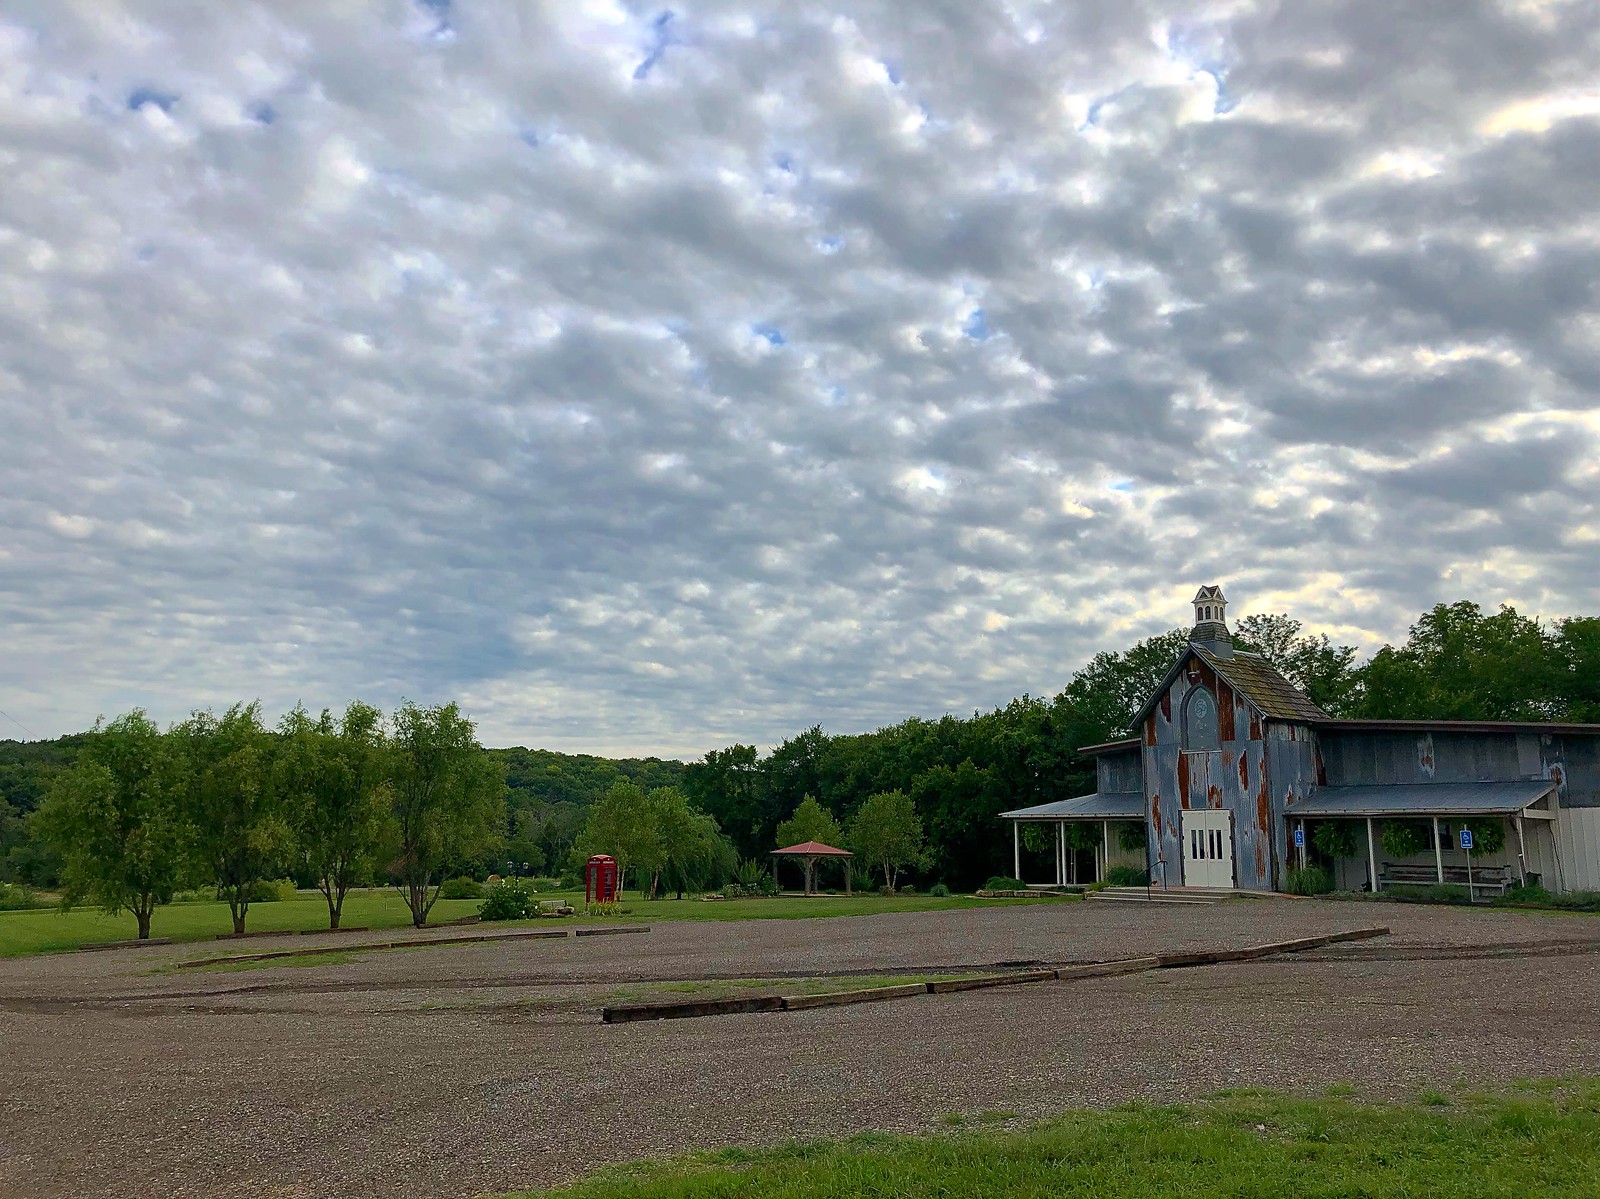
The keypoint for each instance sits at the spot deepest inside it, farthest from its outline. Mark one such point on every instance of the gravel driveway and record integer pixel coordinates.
(451, 1071)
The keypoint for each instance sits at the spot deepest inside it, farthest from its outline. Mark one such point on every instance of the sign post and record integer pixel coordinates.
(1300, 843)
(1466, 845)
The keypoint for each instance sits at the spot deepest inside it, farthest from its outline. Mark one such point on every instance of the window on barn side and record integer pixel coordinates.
(1200, 730)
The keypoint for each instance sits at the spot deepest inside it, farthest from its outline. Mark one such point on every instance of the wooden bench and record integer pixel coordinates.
(1486, 880)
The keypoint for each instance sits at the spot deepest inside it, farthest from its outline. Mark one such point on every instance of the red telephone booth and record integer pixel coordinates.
(600, 879)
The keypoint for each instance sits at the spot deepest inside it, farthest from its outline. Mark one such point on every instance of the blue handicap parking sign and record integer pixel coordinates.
(1299, 838)
(1466, 838)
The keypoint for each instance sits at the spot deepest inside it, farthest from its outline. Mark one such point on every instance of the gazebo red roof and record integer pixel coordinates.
(814, 849)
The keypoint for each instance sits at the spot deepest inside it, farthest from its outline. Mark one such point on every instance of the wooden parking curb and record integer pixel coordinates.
(1107, 969)
(627, 1013)
(531, 934)
(134, 944)
(795, 1003)
(947, 985)
(611, 932)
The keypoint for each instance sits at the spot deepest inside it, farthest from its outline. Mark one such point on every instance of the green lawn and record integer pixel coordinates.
(1246, 1147)
(48, 930)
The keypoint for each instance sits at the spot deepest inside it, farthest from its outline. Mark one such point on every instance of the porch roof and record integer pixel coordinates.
(1424, 799)
(1124, 806)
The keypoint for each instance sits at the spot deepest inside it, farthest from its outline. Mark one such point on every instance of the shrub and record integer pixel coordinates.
(272, 890)
(508, 901)
(1001, 883)
(939, 891)
(749, 873)
(14, 897)
(1488, 834)
(1406, 838)
(1127, 876)
(1133, 838)
(1570, 901)
(1434, 893)
(1308, 880)
(768, 887)
(461, 888)
(908, 889)
(1334, 838)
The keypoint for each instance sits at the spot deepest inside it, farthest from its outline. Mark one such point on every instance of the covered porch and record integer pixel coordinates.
(1524, 810)
(1099, 812)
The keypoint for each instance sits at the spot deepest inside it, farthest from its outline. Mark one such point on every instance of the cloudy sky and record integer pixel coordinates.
(650, 379)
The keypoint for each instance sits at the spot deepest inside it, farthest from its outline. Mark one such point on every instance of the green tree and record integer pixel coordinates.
(698, 856)
(887, 832)
(1575, 648)
(333, 778)
(810, 822)
(241, 835)
(624, 825)
(117, 819)
(1460, 664)
(447, 801)
(1324, 671)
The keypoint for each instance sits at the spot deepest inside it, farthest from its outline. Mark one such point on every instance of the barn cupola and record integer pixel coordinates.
(1210, 630)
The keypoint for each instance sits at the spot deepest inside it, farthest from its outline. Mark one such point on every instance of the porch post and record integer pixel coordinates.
(1105, 850)
(1438, 853)
(1016, 850)
(1522, 851)
(849, 869)
(1372, 858)
(1061, 852)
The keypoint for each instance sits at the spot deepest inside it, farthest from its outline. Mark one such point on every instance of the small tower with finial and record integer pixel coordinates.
(1210, 630)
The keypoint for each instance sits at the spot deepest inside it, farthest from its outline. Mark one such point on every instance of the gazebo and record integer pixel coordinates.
(808, 852)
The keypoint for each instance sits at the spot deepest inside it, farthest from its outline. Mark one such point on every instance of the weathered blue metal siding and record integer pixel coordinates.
(1364, 757)
(1120, 773)
(1235, 777)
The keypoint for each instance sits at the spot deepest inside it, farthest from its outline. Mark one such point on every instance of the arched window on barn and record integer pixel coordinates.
(1200, 730)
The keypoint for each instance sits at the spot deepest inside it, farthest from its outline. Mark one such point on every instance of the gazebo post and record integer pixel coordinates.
(1438, 853)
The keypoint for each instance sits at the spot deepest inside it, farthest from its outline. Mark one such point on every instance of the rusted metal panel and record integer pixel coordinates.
(1233, 778)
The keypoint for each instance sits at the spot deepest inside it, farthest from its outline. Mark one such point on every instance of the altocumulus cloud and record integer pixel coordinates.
(650, 379)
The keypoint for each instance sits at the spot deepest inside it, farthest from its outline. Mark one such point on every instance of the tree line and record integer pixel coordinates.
(932, 789)
(225, 801)
(1457, 662)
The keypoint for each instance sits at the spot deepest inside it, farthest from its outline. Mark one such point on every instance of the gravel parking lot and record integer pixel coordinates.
(455, 1070)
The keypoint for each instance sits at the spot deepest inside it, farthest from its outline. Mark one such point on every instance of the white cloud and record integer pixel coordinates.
(426, 351)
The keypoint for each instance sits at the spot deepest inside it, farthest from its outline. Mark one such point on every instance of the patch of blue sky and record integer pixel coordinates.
(262, 112)
(830, 245)
(977, 325)
(661, 36)
(140, 96)
(892, 69)
(783, 161)
(1123, 485)
(772, 333)
(528, 137)
(1092, 117)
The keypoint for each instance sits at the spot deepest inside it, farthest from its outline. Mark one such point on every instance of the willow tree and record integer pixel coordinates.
(446, 801)
(334, 780)
(118, 820)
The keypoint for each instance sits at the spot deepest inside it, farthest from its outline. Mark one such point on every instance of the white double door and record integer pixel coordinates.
(1207, 848)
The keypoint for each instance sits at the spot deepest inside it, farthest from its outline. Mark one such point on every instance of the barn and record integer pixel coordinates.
(1233, 769)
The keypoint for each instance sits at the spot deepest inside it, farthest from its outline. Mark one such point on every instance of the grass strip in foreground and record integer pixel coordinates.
(1259, 1146)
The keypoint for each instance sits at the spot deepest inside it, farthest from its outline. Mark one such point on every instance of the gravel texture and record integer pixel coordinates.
(455, 1070)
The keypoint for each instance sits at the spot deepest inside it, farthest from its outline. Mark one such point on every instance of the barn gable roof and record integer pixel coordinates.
(1252, 677)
